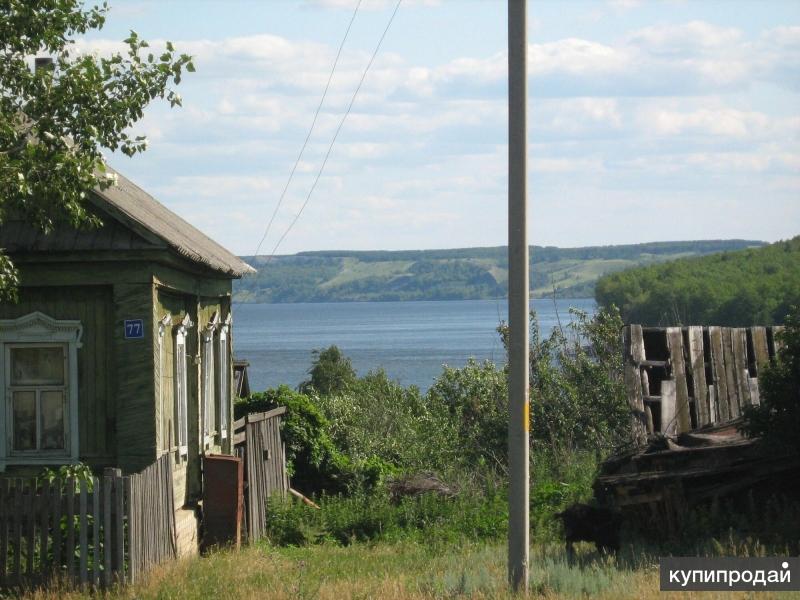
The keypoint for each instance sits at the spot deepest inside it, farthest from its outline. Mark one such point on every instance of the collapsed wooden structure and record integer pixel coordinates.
(682, 378)
(687, 388)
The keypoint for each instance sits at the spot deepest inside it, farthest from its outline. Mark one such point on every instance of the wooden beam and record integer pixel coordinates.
(697, 368)
(675, 344)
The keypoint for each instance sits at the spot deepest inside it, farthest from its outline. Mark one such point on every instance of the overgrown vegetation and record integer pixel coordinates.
(777, 418)
(741, 288)
(348, 437)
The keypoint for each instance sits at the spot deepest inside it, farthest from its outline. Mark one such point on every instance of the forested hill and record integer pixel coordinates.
(748, 287)
(457, 274)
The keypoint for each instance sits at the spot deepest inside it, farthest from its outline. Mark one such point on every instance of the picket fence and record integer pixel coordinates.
(96, 532)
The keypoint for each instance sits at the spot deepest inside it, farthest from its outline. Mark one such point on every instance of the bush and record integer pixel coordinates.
(777, 418)
(476, 400)
(577, 391)
(378, 421)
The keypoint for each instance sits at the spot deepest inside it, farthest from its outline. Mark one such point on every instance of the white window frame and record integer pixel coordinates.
(224, 377)
(181, 387)
(165, 322)
(207, 381)
(32, 330)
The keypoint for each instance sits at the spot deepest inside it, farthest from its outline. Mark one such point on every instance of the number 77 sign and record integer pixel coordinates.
(134, 329)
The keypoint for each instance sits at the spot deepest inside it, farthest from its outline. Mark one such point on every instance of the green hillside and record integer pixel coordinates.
(456, 274)
(747, 287)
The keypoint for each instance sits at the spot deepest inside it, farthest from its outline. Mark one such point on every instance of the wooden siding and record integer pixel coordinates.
(97, 405)
(134, 368)
(19, 236)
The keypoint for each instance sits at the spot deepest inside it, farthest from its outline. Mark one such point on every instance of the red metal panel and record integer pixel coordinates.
(223, 500)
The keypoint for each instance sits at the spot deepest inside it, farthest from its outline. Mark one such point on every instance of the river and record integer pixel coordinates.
(410, 340)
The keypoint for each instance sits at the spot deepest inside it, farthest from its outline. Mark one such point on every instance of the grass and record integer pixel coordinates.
(394, 571)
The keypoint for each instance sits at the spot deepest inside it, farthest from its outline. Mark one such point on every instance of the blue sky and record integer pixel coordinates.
(648, 121)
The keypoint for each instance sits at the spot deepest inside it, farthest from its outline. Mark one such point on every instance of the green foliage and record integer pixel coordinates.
(777, 418)
(80, 472)
(462, 273)
(331, 373)
(577, 389)
(743, 288)
(378, 419)
(9, 278)
(312, 459)
(476, 399)
(54, 122)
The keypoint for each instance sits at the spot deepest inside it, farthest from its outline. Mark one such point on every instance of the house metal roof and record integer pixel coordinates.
(138, 209)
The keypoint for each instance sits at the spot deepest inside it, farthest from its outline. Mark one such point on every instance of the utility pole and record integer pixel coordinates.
(518, 307)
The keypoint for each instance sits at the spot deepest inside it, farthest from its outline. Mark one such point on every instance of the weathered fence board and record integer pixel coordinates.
(675, 345)
(669, 415)
(720, 378)
(697, 370)
(758, 335)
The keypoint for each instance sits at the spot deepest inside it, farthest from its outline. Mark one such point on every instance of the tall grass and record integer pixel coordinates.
(404, 570)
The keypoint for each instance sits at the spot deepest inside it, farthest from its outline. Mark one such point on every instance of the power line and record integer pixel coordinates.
(336, 134)
(310, 130)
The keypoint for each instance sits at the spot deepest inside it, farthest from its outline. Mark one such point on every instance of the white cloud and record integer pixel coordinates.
(692, 37)
(369, 4)
(574, 56)
(706, 121)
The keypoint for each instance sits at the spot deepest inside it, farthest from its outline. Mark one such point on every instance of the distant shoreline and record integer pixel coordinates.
(450, 274)
(235, 301)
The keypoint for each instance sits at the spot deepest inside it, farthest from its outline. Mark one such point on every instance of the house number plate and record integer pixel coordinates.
(134, 329)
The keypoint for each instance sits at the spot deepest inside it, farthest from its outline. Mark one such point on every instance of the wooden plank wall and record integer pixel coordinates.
(710, 375)
(258, 442)
(97, 404)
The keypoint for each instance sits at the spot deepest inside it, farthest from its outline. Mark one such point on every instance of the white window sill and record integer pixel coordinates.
(47, 460)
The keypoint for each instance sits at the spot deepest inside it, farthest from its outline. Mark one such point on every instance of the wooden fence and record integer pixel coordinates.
(151, 517)
(684, 378)
(94, 532)
(257, 440)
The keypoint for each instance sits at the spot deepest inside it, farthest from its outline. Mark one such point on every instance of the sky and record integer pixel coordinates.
(648, 121)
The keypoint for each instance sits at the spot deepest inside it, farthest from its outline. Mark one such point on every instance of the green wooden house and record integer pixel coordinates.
(119, 349)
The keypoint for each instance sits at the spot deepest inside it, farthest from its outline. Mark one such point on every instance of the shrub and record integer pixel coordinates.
(777, 418)
(577, 391)
(376, 420)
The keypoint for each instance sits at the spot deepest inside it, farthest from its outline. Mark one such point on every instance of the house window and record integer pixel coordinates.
(224, 377)
(181, 387)
(39, 379)
(209, 381)
(38, 392)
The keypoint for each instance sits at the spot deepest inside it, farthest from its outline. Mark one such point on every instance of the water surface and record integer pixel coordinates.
(410, 340)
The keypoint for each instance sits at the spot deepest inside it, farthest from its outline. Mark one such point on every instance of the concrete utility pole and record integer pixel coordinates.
(518, 307)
